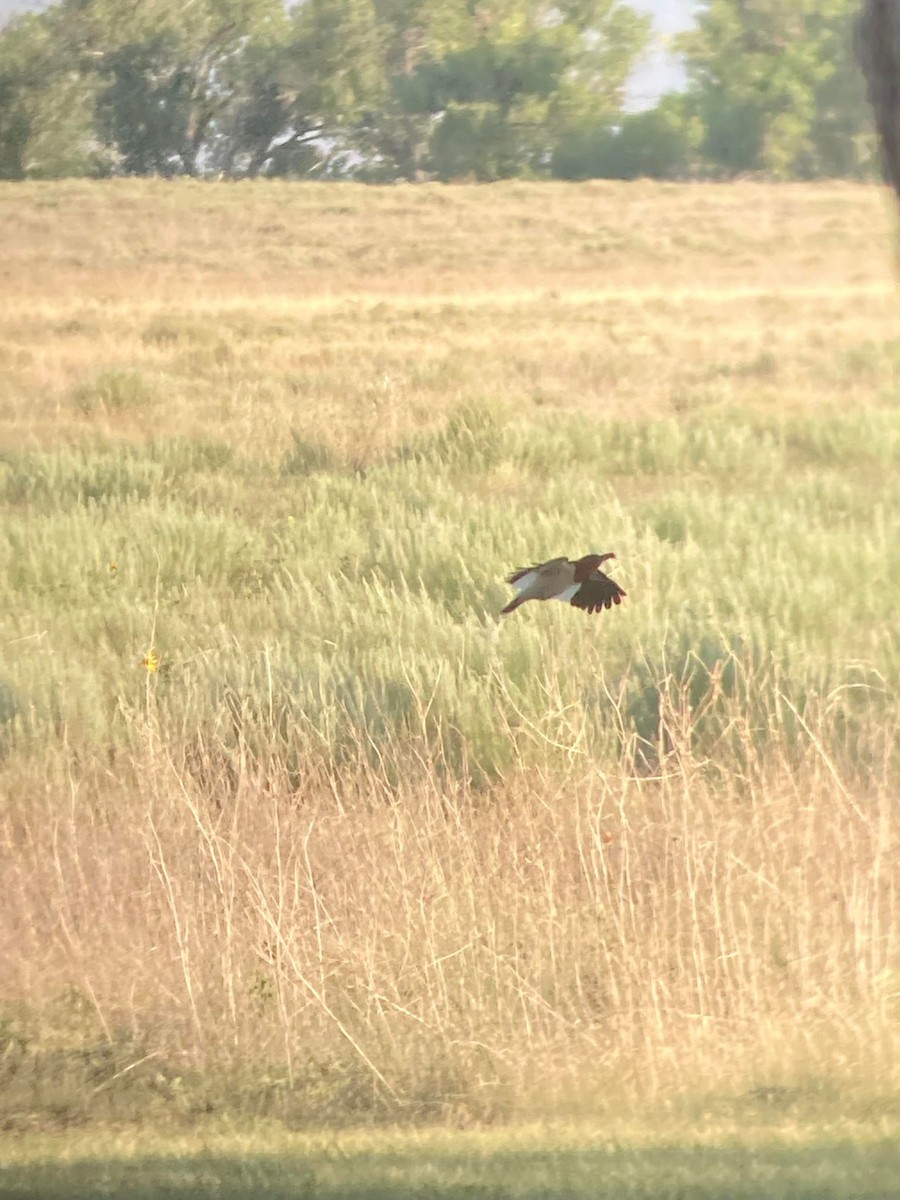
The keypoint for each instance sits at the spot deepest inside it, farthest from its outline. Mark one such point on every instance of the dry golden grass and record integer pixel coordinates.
(352, 851)
(578, 945)
(359, 314)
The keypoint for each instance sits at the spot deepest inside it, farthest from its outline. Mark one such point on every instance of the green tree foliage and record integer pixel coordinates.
(523, 78)
(175, 81)
(775, 88)
(659, 143)
(46, 104)
(101, 85)
(334, 83)
(381, 88)
(401, 89)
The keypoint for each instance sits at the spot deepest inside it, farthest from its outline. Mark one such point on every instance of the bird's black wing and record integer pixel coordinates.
(598, 591)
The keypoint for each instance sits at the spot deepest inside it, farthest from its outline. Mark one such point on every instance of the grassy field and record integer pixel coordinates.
(293, 828)
(708, 1158)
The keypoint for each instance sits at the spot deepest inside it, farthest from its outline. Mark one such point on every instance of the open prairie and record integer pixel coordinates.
(293, 825)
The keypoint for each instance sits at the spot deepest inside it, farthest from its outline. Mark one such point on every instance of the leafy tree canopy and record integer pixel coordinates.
(404, 89)
(775, 87)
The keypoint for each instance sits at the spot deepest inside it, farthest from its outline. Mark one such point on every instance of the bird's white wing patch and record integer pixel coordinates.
(567, 593)
(523, 584)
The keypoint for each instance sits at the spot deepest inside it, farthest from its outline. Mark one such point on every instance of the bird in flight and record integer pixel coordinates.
(579, 582)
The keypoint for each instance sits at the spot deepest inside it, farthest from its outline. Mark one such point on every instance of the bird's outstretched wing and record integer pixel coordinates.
(519, 575)
(598, 591)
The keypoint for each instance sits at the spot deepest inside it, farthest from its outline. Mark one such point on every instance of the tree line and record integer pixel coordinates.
(412, 89)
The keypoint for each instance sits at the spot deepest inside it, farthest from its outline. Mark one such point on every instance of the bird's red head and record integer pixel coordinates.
(590, 562)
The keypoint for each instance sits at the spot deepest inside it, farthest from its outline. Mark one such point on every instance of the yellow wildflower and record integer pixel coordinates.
(150, 661)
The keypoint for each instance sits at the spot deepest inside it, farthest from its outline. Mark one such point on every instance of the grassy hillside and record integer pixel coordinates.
(291, 821)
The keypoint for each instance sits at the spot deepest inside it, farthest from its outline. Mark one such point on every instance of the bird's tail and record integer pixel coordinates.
(513, 605)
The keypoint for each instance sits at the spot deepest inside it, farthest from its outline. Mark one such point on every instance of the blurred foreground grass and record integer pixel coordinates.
(710, 1159)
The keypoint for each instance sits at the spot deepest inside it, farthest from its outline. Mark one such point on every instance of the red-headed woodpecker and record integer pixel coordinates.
(579, 582)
